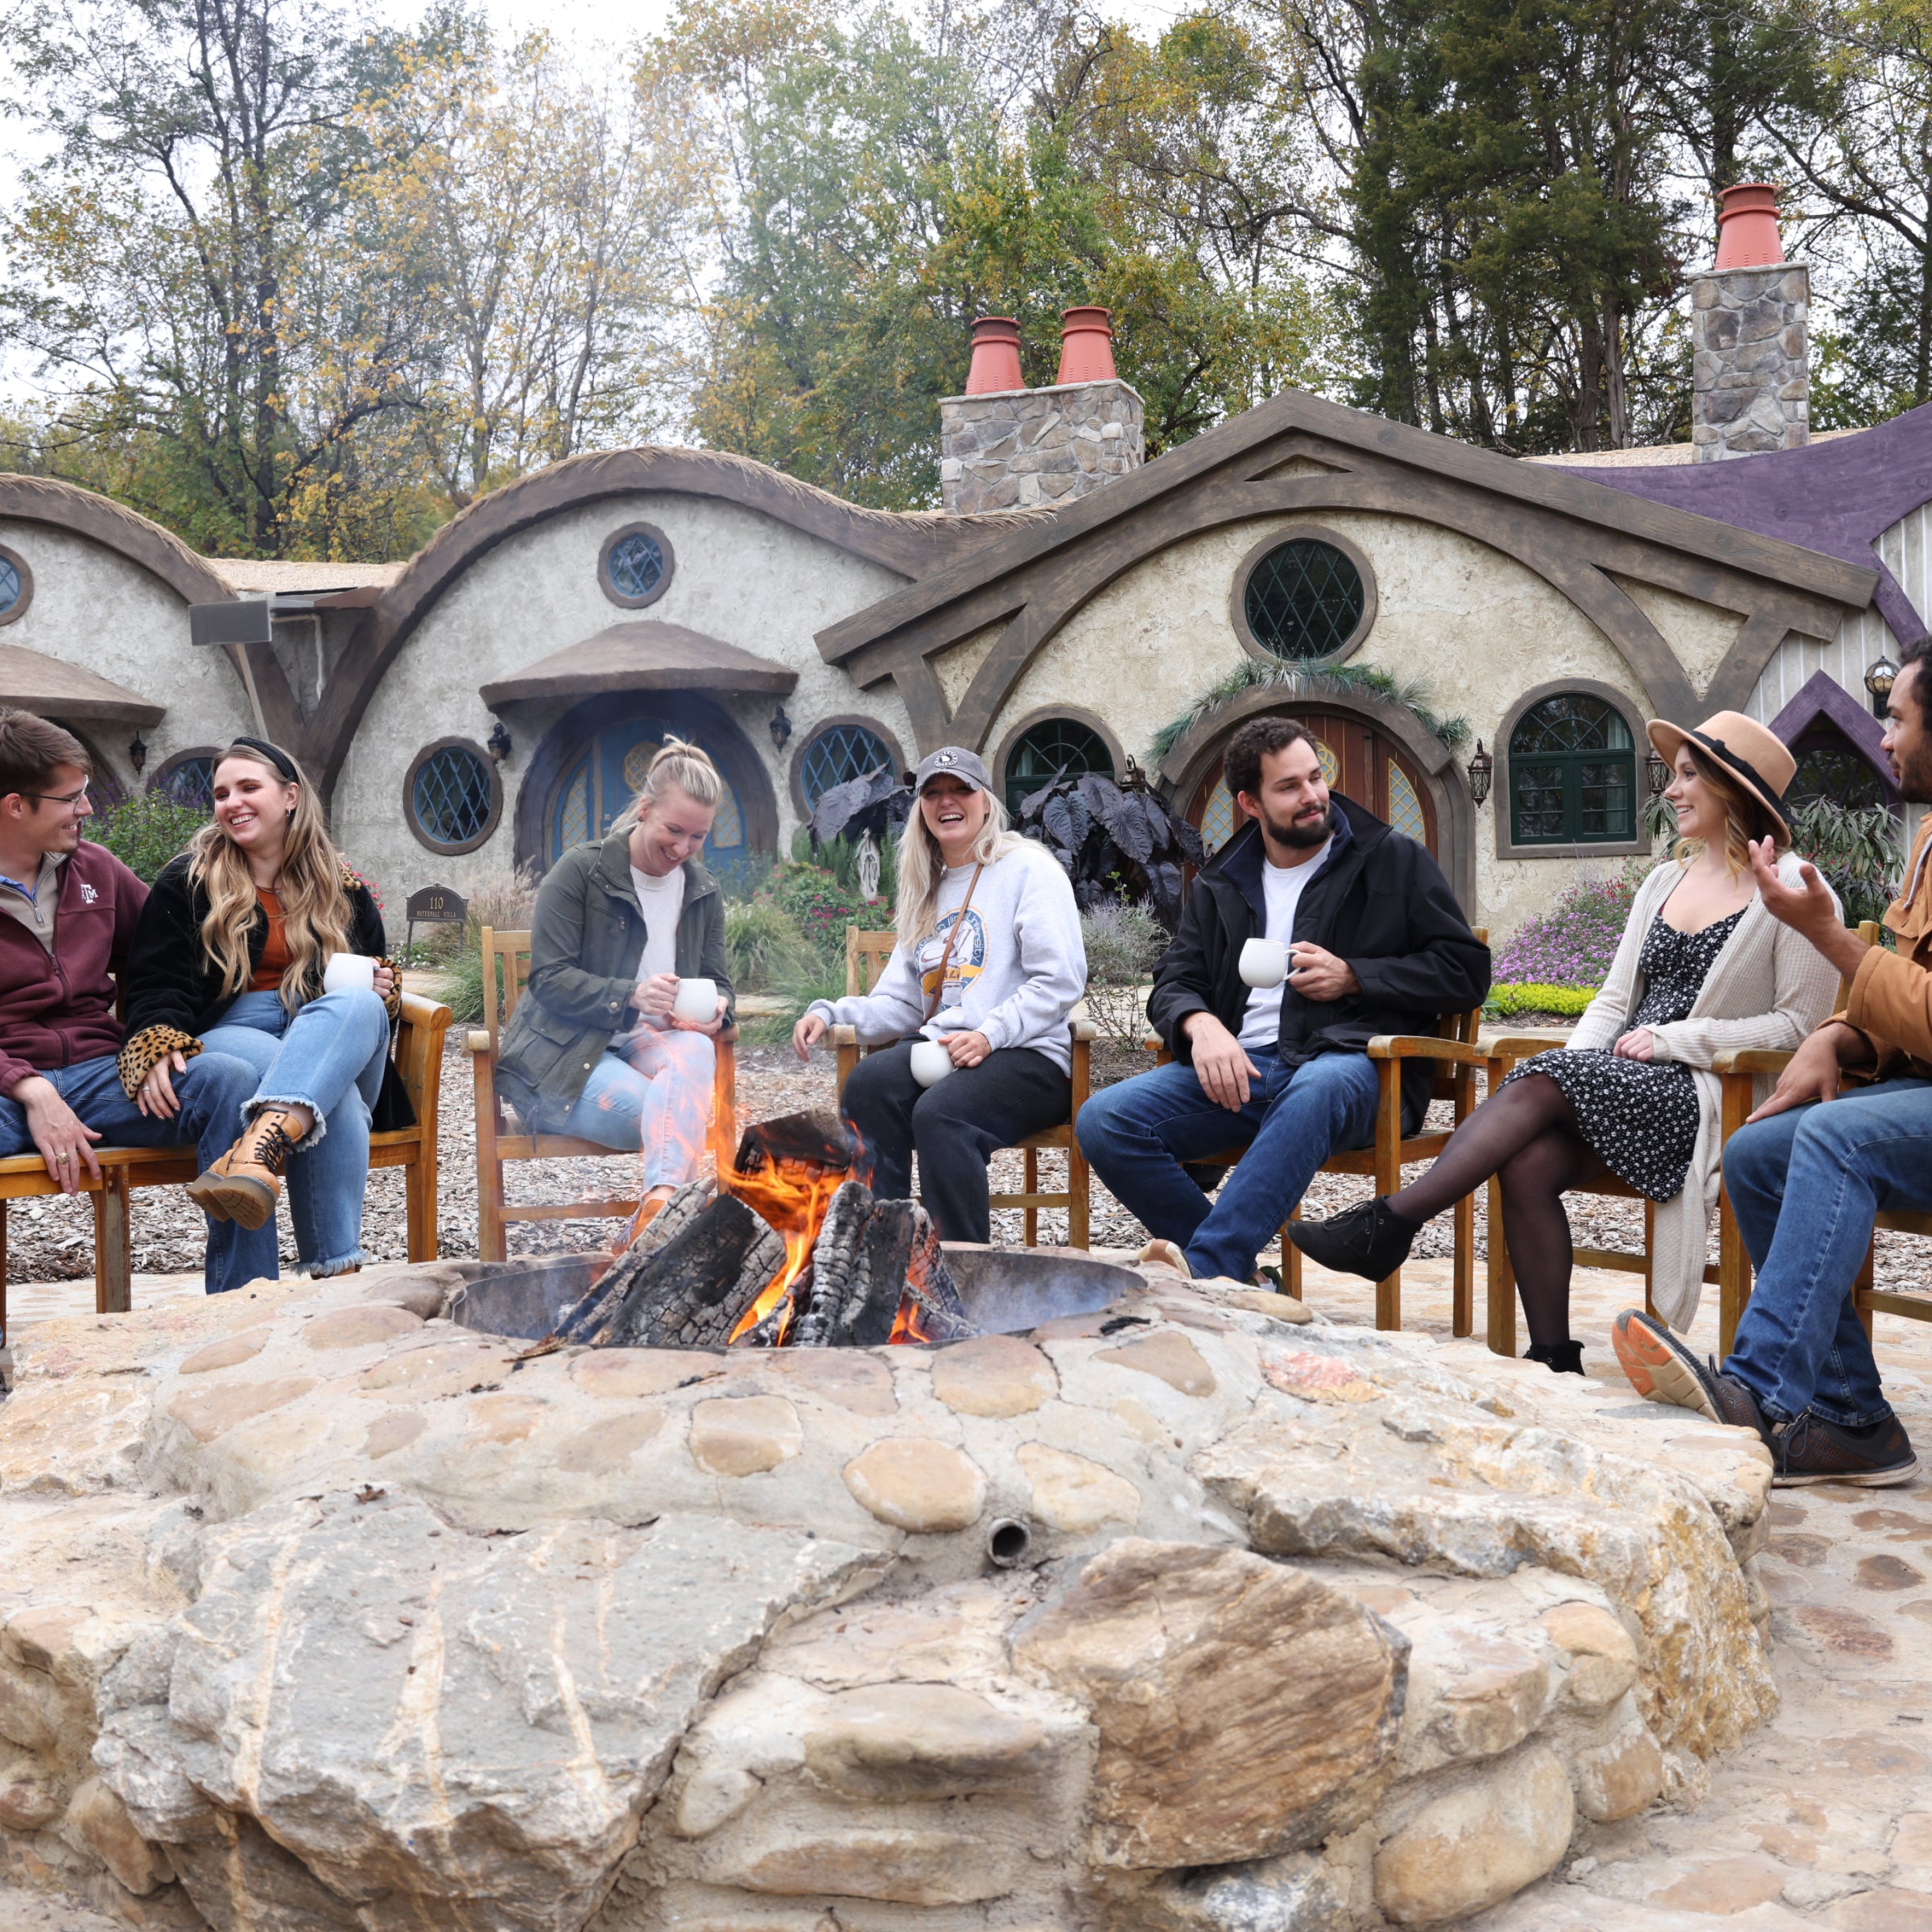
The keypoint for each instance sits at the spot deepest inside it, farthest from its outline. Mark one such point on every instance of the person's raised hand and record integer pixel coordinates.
(807, 1034)
(1638, 1045)
(1223, 1068)
(967, 1049)
(1316, 974)
(156, 1098)
(63, 1139)
(657, 995)
(1807, 908)
(1813, 1073)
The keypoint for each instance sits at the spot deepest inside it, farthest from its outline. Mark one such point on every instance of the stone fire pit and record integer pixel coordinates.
(321, 1610)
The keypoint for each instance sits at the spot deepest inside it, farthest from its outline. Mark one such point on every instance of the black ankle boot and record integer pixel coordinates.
(1372, 1241)
(1559, 1358)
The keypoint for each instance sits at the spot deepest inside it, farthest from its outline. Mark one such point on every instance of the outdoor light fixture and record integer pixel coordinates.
(1658, 771)
(498, 744)
(1481, 768)
(781, 727)
(137, 754)
(1880, 677)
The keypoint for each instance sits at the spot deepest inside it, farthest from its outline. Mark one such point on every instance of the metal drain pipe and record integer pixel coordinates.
(1009, 1542)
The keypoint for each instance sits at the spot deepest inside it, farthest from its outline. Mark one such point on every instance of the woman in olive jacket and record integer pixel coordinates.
(593, 1048)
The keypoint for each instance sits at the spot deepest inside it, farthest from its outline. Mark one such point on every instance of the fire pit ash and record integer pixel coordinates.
(793, 1252)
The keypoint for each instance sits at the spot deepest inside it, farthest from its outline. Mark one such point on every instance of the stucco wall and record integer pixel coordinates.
(93, 608)
(739, 575)
(1477, 628)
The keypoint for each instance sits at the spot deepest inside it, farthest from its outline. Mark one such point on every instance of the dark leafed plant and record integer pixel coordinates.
(1115, 841)
(877, 803)
(1859, 853)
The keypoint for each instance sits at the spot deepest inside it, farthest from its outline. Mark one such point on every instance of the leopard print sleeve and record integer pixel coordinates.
(392, 999)
(146, 1050)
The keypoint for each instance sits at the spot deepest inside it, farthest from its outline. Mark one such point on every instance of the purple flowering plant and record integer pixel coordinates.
(1574, 943)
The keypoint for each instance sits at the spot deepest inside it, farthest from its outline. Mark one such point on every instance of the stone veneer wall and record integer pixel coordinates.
(1752, 386)
(1021, 448)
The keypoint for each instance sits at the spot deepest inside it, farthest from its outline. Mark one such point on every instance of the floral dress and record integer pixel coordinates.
(1640, 1118)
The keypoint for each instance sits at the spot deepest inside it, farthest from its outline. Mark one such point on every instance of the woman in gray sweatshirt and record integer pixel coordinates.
(988, 963)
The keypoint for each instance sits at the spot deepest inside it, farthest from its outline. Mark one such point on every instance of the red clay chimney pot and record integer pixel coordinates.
(1747, 226)
(995, 356)
(1086, 346)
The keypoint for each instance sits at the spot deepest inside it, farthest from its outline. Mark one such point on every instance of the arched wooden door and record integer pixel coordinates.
(1359, 762)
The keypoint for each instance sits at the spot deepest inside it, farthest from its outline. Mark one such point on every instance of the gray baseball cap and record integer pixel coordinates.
(952, 762)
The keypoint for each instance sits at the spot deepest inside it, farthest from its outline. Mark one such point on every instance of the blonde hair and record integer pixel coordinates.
(309, 888)
(922, 866)
(1745, 819)
(677, 767)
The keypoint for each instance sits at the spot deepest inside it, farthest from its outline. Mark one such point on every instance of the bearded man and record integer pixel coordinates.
(1376, 943)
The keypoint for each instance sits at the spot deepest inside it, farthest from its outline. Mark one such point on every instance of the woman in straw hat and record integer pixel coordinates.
(1701, 967)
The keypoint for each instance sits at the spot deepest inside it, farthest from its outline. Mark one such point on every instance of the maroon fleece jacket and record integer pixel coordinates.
(57, 1012)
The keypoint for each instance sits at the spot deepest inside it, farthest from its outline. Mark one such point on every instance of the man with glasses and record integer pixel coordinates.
(70, 909)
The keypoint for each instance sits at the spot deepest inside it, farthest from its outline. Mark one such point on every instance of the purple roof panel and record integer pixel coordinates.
(1838, 496)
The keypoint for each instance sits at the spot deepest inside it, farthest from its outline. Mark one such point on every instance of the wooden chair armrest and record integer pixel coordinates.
(1425, 1046)
(417, 1011)
(842, 1036)
(1751, 1060)
(1518, 1046)
(477, 1040)
(1085, 1030)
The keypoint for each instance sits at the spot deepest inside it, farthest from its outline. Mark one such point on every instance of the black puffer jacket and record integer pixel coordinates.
(1379, 902)
(174, 986)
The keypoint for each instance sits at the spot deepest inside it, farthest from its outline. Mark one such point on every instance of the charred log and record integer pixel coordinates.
(873, 1259)
(595, 1307)
(838, 1269)
(811, 1139)
(941, 1316)
(694, 1289)
(894, 1235)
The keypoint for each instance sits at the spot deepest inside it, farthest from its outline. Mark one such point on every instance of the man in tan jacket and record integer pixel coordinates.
(1808, 1172)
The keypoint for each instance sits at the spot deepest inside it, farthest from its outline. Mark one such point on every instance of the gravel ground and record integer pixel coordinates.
(52, 1241)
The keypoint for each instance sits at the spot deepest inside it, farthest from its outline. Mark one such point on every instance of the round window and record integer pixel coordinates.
(1304, 600)
(452, 797)
(635, 565)
(838, 754)
(1045, 750)
(16, 586)
(191, 782)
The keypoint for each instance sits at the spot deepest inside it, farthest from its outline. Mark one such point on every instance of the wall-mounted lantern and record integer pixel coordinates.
(498, 744)
(1880, 677)
(1482, 769)
(1658, 771)
(780, 727)
(137, 754)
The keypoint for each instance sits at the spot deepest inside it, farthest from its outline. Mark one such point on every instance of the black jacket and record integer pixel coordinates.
(1379, 902)
(174, 986)
(584, 946)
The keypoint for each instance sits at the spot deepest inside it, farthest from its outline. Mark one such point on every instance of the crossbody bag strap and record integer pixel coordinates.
(945, 957)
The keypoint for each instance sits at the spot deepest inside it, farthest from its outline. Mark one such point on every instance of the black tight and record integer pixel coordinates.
(1525, 1134)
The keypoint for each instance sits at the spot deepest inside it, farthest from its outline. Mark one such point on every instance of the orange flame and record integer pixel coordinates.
(908, 1324)
(793, 1197)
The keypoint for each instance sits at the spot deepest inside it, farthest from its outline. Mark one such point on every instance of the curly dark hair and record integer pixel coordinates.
(1257, 739)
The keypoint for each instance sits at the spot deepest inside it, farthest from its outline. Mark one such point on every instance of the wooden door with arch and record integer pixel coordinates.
(1359, 761)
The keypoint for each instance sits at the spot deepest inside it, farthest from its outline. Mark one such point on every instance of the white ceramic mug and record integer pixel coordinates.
(931, 1062)
(696, 1004)
(348, 973)
(1264, 962)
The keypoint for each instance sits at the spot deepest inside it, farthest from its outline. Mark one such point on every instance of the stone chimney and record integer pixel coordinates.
(1004, 447)
(1751, 390)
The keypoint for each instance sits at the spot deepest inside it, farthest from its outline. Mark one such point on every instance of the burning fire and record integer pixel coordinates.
(792, 1196)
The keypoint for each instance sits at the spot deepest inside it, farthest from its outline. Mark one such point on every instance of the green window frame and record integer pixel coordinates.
(1572, 773)
(1043, 749)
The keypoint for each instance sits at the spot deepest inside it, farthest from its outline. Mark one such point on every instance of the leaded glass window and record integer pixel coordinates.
(1836, 772)
(635, 567)
(1572, 773)
(191, 783)
(838, 753)
(1303, 601)
(1405, 809)
(453, 796)
(10, 585)
(1047, 749)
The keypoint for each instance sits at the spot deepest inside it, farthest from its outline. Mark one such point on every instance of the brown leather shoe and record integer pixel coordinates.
(244, 1184)
(1815, 1451)
(1661, 1369)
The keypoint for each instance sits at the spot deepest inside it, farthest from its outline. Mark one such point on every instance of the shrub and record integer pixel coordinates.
(1574, 943)
(1123, 940)
(1859, 853)
(1507, 1000)
(504, 900)
(822, 909)
(766, 945)
(145, 831)
(814, 977)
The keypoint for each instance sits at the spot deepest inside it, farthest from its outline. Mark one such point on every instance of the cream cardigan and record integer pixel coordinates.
(1767, 988)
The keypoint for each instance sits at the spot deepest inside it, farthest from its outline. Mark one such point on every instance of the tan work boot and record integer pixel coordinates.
(244, 1184)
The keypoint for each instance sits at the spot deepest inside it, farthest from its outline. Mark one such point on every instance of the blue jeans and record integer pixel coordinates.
(327, 1057)
(652, 1092)
(1136, 1135)
(211, 1092)
(1805, 1185)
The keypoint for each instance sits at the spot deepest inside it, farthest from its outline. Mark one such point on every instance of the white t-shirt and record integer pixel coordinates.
(1283, 886)
(661, 900)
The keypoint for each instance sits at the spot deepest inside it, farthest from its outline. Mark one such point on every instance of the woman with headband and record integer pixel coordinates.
(229, 957)
(1701, 967)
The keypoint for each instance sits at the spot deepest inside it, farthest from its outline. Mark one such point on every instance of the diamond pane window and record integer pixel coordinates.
(1572, 773)
(635, 566)
(191, 783)
(1047, 748)
(10, 585)
(1837, 773)
(1304, 600)
(451, 797)
(573, 810)
(1405, 807)
(837, 754)
(1219, 818)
